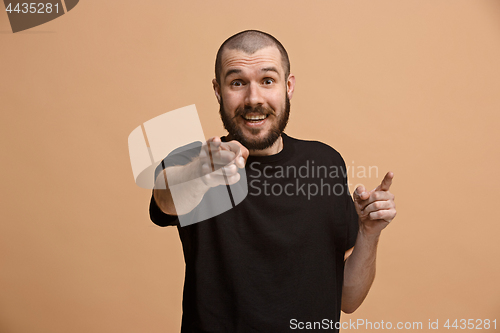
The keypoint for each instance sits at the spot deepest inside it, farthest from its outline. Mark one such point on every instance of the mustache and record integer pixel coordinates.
(257, 109)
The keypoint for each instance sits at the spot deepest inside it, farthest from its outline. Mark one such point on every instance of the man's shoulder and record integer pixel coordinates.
(313, 147)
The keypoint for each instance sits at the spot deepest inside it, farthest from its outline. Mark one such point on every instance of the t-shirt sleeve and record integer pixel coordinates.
(351, 213)
(179, 156)
(352, 223)
(159, 217)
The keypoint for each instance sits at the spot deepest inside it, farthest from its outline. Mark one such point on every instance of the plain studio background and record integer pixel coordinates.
(407, 86)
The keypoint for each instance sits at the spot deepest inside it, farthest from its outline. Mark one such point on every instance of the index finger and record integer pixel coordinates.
(242, 152)
(214, 141)
(212, 145)
(387, 181)
(231, 146)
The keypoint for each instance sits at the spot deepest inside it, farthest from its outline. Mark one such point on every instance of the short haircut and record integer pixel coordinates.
(251, 41)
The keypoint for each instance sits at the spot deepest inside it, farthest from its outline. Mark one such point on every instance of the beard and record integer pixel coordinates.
(252, 143)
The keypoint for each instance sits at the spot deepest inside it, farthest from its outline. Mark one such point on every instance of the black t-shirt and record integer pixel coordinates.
(277, 258)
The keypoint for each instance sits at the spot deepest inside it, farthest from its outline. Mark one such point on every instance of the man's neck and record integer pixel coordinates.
(274, 149)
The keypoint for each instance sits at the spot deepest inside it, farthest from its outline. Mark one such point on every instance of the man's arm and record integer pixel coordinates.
(217, 164)
(188, 196)
(376, 209)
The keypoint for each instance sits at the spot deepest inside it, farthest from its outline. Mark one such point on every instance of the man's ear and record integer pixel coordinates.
(290, 85)
(216, 89)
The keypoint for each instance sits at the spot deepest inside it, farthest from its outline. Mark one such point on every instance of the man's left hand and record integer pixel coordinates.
(376, 208)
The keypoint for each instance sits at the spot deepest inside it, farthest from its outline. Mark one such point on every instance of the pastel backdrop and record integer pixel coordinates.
(407, 86)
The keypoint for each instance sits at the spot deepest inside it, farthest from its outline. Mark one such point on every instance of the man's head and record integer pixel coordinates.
(253, 85)
(250, 41)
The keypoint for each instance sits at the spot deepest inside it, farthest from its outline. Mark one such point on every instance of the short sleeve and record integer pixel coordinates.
(159, 217)
(352, 219)
(352, 223)
(179, 156)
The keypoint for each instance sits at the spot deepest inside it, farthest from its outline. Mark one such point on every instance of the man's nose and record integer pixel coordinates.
(254, 95)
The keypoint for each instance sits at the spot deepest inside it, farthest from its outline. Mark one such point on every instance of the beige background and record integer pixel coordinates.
(407, 86)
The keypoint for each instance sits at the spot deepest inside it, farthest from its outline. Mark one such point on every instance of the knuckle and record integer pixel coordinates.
(207, 179)
(205, 169)
(235, 178)
(232, 169)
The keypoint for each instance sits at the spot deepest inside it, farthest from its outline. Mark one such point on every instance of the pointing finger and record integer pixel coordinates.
(214, 142)
(242, 153)
(387, 181)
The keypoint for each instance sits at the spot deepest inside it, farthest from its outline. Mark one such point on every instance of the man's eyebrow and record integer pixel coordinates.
(270, 69)
(238, 71)
(232, 71)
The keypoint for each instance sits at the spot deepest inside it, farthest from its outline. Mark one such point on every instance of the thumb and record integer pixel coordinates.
(360, 194)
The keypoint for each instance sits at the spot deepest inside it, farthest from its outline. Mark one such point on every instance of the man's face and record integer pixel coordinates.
(254, 96)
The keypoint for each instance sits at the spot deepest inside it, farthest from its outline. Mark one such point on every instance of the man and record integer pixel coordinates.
(274, 262)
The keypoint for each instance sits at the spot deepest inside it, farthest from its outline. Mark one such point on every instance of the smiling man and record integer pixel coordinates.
(254, 93)
(298, 249)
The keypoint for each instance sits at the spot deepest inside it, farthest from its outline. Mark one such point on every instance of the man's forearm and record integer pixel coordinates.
(359, 271)
(184, 183)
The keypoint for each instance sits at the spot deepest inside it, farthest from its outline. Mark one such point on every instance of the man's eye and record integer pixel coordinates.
(236, 83)
(268, 81)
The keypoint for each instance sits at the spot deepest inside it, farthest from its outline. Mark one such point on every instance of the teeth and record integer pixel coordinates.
(261, 117)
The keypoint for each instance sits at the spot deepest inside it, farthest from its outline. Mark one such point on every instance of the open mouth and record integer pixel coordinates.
(254, 118)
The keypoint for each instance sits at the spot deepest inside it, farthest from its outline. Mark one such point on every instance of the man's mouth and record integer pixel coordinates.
(255, 118)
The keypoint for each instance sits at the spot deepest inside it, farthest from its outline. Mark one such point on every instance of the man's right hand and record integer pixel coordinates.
(219, 162)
